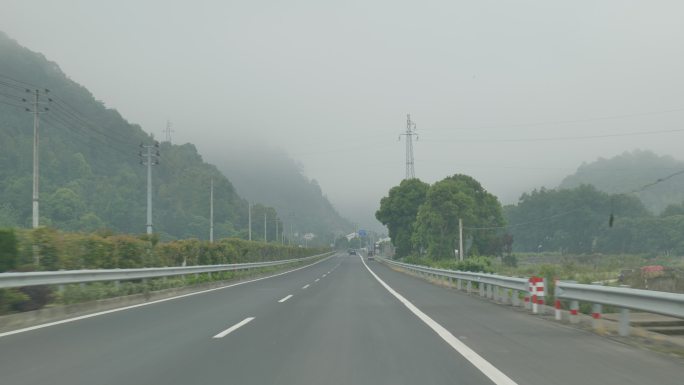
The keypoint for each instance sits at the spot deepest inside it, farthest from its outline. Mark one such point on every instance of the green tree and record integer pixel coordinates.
(453, 198)
(398, 212)
(571, 220)
(8, 250)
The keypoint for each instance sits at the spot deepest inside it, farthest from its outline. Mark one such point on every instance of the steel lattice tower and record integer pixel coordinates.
(410, 132)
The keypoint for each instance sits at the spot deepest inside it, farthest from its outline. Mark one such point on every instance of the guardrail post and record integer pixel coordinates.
(574, 310)
(117, 284)
(596, 316)
(515, 298)
(623, 327)
(469, 287)
(482, 288)
(504, 296)
(459, 284)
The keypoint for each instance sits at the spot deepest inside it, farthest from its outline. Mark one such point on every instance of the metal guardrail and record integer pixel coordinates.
(8, 280)
(657, 302)
(670, 304)
(489, 285)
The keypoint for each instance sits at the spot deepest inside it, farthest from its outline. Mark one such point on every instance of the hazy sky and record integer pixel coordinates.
(505, 91)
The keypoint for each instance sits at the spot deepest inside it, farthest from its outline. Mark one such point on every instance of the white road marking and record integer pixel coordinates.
(285, 299)
(27, 329)
(234, 327)
(305, 286)
(317, 279)
(324, 275)
(480, 363)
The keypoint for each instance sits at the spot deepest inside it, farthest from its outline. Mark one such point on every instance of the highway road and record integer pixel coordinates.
(340, 321)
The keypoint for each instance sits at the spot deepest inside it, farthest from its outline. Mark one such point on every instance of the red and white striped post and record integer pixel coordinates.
(540, 291)
(537, 293)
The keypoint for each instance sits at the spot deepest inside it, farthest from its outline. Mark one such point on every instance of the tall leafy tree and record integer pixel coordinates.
(453, 198)
(398, 212)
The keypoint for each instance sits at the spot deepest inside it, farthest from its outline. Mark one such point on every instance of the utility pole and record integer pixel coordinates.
(289, 240)
(276, 234)
(36, 111)
(211, 213)
(410, 132)
(460, 239)
(149, 159)
(249, 220)
(265, 239)
(167, 132)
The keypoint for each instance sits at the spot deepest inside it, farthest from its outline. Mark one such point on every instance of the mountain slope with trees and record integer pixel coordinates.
(631, 171)
(90, 171)
(269, 175)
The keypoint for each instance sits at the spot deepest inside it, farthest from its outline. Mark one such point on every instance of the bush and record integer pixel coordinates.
(8, 250)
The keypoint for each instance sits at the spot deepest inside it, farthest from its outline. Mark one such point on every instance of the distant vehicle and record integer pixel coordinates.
(351, 252)
(370, 257)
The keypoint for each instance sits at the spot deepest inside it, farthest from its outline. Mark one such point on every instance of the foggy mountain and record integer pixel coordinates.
(629, 173)
(90, 170)
(267, 174)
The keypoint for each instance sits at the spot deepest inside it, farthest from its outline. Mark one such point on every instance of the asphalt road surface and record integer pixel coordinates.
(340, 321)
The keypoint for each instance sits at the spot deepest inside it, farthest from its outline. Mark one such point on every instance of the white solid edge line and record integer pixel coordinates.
(285, 299)
(317, 279)
(234, 327)
(305, 286)
(27, 329)
(480, 363)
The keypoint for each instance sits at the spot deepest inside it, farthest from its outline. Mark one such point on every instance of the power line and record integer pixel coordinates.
(58, 124)
(657, 181)
(14, 86)
(523, 223)
(569, 121)
(13, 105)
(18, 81)
(564, 138)
(89, 128)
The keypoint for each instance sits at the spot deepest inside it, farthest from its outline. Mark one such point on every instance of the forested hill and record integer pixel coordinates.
(631, 171)
(91, 176)
(269, 175)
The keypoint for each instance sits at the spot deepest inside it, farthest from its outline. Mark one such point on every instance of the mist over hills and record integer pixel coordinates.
(267, 174)
(629, 173)
(91, 176)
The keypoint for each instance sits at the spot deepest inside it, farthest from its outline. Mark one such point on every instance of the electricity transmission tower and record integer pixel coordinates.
(149, 159)
(36, 109)
(167, 132)
(410, 132)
